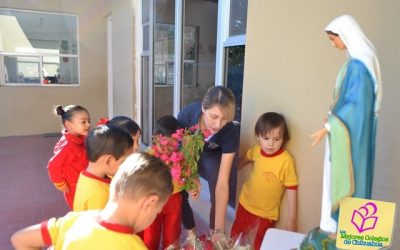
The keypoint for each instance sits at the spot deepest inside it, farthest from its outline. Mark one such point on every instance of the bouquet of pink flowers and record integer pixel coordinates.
(181, 153)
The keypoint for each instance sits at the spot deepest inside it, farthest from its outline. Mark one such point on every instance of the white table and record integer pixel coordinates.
(277, 239)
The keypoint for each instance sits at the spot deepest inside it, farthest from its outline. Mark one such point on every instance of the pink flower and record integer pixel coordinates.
(176, 172)
(164, 141)
(206, 133)
(180, 152)
(178, 134)
(176, 157)
(175, 145)
(164, 157)
(194, 128)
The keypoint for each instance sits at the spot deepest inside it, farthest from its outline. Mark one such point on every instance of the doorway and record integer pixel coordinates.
(178, 56)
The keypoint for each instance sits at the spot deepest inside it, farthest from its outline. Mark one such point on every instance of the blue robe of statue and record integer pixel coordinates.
(352, 134)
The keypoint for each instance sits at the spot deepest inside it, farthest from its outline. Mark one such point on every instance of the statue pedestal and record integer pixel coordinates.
(318, 239)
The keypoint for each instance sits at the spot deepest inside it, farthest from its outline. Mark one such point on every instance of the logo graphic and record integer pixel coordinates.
(365, 224)
(363, 218)
(270, 177)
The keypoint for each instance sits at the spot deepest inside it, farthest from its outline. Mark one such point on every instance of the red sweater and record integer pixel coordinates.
(68, 162)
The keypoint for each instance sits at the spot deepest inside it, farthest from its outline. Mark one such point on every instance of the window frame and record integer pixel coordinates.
(40, 55)
(224, 40)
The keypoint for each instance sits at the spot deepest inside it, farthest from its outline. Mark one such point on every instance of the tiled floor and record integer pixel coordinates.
(27, 196)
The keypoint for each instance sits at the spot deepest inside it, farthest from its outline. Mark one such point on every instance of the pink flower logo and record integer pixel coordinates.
(363, 218)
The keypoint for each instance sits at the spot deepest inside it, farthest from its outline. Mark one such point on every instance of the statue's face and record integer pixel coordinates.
(337, 42)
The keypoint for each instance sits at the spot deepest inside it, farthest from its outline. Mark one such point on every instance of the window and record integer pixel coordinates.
(231, 48)
(38, 48)
(238, 17)
(234, 69)
(164, 54)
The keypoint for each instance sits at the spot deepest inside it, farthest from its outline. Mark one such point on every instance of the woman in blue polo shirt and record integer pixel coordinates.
(215, 113)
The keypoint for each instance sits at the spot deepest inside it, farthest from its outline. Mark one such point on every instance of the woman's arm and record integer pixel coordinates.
(292, 203)
(222, 190)
(28, 238)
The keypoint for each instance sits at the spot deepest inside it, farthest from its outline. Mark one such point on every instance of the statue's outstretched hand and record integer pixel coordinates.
(318, 136)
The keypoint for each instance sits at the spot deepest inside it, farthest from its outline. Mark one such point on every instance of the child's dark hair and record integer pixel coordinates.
(126, 124)
(166, 125)
(142, 174)
(107, 140)
(271, 120)
(68, 112)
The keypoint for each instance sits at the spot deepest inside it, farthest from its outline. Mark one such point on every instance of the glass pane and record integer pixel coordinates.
(163, 52)
(51, 68)
(164, 49)
(146, 138)
(190, 73)
(35, 32)
(22, 69)
(199, 41)
(68, 71)
(234, 81)
(234, 75)
(238, 17)
(145, 11)
(146, 37)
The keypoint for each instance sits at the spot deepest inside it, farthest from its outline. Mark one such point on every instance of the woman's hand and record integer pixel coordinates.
(318, 136)
(195, 194)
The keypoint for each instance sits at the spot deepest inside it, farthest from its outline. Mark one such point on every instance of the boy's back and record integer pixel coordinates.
(92, 192)
(85, 230)
(107, 147)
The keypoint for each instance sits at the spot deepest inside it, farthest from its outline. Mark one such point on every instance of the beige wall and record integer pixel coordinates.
(27, 110)
(290, 67)
(124, 19)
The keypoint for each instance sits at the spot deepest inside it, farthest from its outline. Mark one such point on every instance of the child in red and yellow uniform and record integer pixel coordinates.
(168, 222)
(106, 147)
(69, 158)
(138, 192)
(273, 173)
